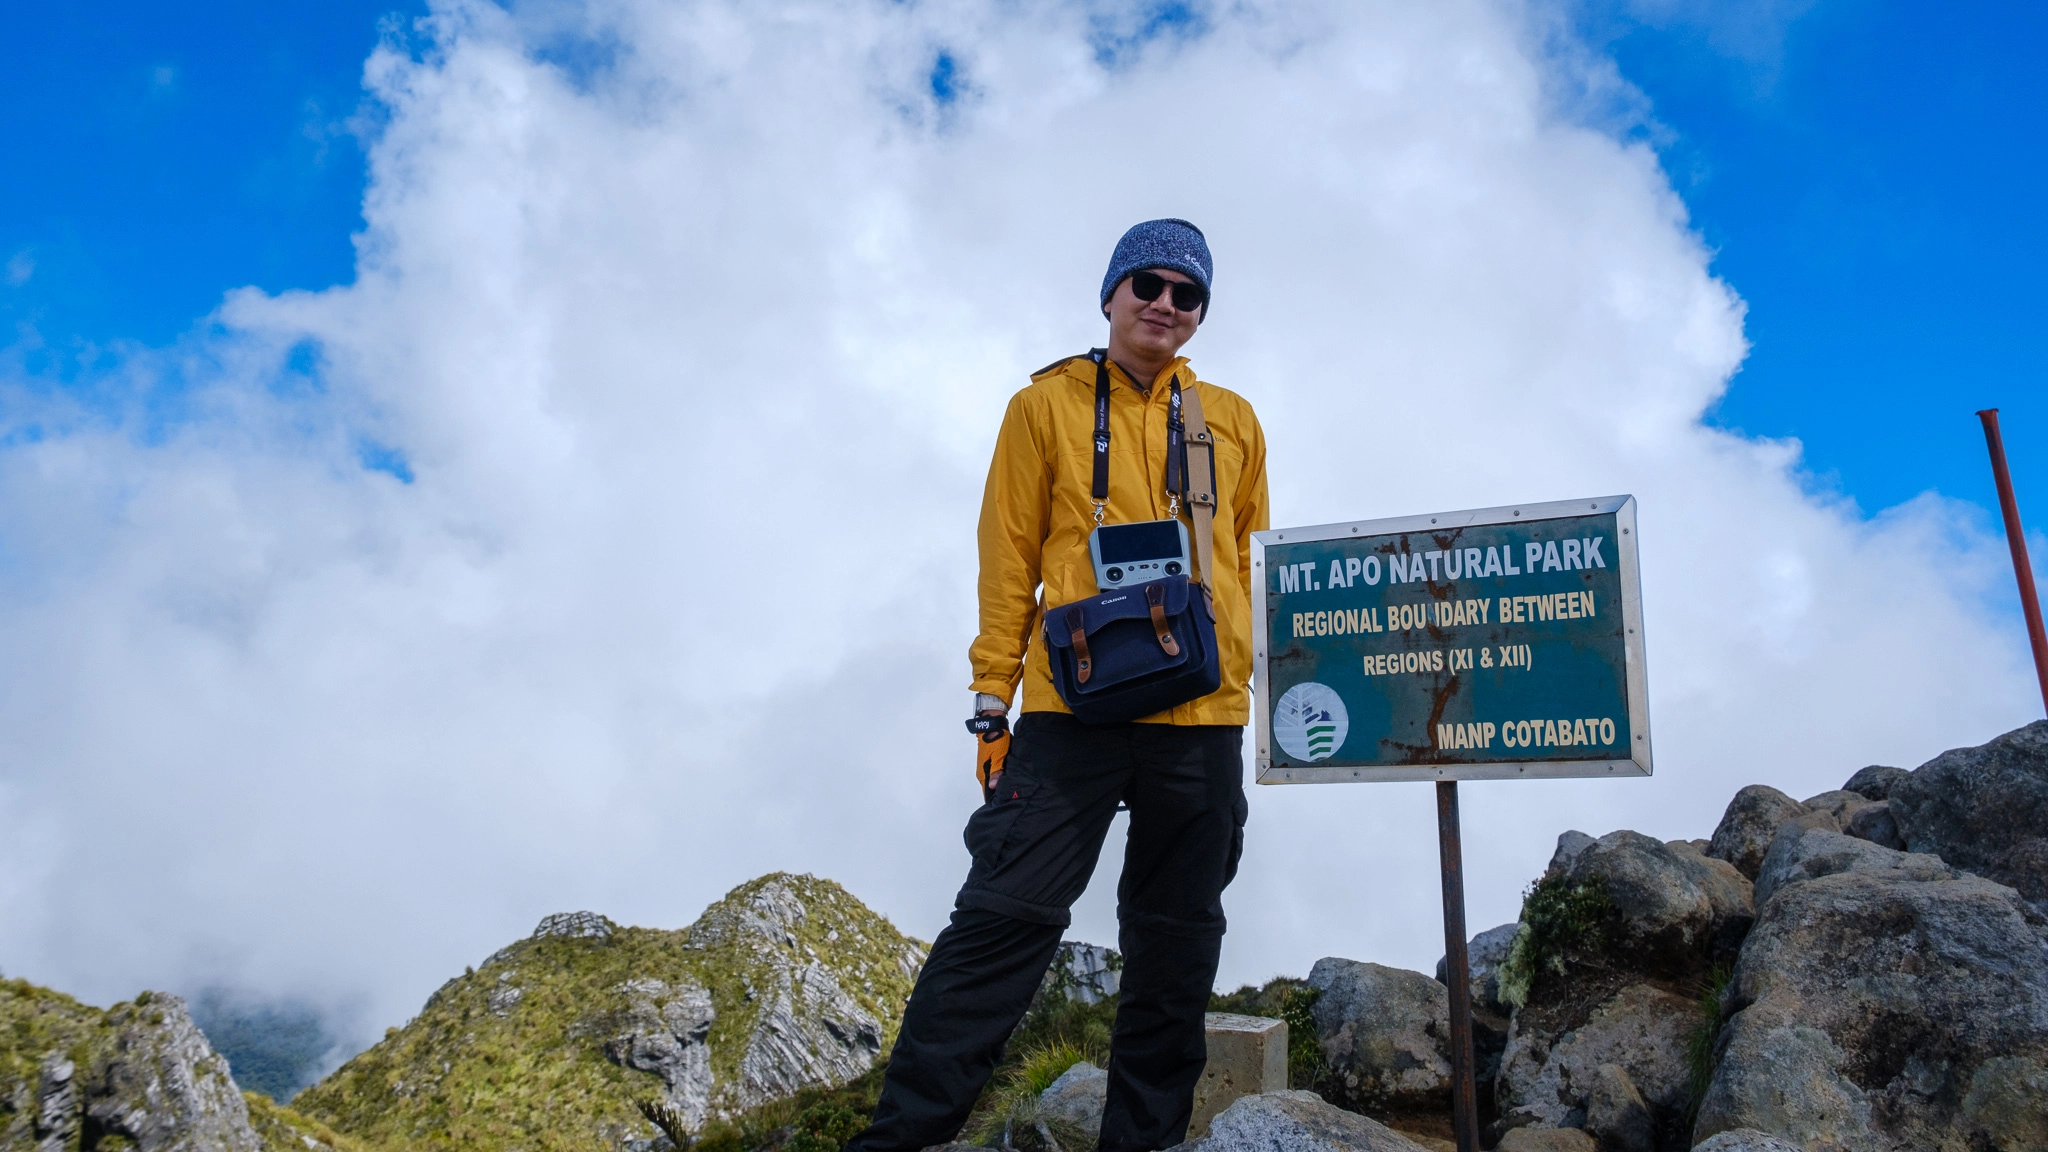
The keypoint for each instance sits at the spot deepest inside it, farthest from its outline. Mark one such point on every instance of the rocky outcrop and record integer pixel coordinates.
(1875, 782)
(1629, 1052)
(787, 983)
(1547, 1140)
(1385, 1035)
(1296, 1122)
(1483, 957)
(1675, 910)
(1984, 810)
(1884, 1001)
(663, 1030)
(139, 1073)
(1085, 973)
(1746, 828)
(1614, 943)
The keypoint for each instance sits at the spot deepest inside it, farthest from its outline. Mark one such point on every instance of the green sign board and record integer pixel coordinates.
(1488, 644)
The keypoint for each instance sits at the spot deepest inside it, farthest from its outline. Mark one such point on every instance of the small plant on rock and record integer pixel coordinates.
(1706, 1032)
(1559, 920)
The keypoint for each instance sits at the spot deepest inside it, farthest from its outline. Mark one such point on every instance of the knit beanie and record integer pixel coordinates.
(1172, 244)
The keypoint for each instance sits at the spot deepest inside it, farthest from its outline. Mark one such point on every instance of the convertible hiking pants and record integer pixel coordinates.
(1034, 848)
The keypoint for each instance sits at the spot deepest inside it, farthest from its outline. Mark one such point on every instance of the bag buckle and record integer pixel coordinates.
(1155, 599)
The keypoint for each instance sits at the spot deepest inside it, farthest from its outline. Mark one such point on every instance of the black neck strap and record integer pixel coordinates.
(1176, 439)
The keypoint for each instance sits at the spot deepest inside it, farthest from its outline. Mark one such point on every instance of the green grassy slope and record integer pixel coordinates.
(484, 1067)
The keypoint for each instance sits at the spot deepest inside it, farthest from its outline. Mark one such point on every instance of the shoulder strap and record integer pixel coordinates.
(1201, 480)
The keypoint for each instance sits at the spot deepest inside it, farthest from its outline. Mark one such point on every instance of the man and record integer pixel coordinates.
(1036, 840)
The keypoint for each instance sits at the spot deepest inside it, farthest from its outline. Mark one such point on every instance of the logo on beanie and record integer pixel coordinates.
(1310, 721)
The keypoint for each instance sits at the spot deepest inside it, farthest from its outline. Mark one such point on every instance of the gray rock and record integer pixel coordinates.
(1569, 845)
(1617, 1113)
(1873, 822)
(1801, 853)
(1547, 1140)
(1087, 973)
(1876, 781)
(810, 1031)
(1747, 826)
(1483, 958)
(1984, 810)
(1839, 806)
(576, 926)
(1296, 1122)
(1677, 910)
(1747, 1139)
(1884, 1002)
(1385, 1033)
(160, 1085)
(663, 1031)
(1077, 1097)
(57, 1110)
(1545, 1079)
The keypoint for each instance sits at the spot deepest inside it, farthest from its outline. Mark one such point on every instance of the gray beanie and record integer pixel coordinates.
(1172, 244)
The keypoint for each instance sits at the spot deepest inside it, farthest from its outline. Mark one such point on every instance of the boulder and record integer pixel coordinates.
(1883, 1001)
(1547, 1140)
(1747, 1139)
(1077, 1097)
(1984, 810)
(1296, 1122)
(1801, 853)
(1483, 958)
(1569, 845)
(1617, 1113)
(1546, 1077)
(1876, 781)
(1749, 823)
(1873, 822)
(1385, 1033)
(1676, 910)
(1838, 806)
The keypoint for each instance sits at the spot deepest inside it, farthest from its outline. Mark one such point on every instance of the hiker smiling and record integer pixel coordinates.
(1051, 799)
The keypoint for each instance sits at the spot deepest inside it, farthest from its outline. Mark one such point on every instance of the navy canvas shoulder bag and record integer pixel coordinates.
(1146, 647)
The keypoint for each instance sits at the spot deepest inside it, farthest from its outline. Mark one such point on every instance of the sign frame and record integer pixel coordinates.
(1636, 668)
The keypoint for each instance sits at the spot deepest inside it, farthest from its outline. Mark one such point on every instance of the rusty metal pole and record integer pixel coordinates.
(1464, 1105)
(2030, 601)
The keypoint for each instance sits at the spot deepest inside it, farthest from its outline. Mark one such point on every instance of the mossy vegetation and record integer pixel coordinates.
(34, 1023)
(284, 1130)
(1560, 921)
(512, 1054)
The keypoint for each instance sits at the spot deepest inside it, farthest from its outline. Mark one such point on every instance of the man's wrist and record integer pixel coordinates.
(983, 702)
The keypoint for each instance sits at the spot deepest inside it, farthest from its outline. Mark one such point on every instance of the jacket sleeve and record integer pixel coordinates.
(1249, 501)
(1016, 511)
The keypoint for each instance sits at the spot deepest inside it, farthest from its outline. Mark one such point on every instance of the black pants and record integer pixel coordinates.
(1034, 847)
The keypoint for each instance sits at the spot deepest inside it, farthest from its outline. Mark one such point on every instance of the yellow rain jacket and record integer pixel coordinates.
(1036, 516)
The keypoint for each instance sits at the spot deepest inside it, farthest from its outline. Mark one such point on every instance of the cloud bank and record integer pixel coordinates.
(608, 541)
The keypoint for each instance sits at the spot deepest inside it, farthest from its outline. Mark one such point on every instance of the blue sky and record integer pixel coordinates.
(1869, 182)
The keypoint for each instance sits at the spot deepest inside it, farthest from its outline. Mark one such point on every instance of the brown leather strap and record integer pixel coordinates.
(1201, 497)
(1155, 598)
(1079, 636)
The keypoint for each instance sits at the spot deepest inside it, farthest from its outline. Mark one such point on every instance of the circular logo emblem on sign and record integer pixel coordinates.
(1310, 721)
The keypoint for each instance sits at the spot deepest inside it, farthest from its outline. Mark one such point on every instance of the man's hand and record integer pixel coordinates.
(991, 731)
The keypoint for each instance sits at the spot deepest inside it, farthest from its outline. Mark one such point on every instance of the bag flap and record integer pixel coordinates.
(1126, 603)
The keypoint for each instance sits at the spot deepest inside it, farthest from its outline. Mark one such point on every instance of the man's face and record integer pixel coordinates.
(1154, 327)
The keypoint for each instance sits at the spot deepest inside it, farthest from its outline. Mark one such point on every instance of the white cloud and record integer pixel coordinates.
(695, 345)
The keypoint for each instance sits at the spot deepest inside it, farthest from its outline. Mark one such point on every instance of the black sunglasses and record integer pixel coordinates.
(1147, 286)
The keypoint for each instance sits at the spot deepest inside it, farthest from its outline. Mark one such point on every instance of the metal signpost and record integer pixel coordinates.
(1497, 643)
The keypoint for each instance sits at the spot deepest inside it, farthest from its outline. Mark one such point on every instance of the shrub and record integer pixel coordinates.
(1559, 919)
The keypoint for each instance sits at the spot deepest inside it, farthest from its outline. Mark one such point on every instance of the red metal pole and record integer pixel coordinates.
(2030, 601)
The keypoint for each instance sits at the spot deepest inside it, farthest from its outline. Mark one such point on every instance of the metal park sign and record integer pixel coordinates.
(1489, 644)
